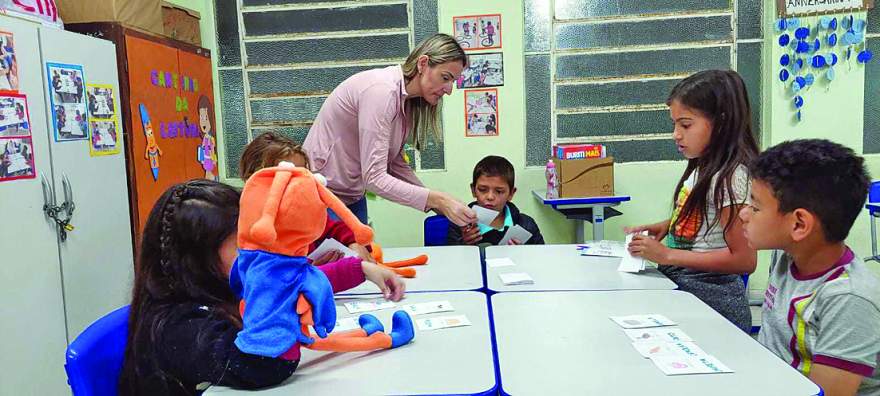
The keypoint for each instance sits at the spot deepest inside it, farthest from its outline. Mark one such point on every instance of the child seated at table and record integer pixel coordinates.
(821, 311)
(493, 188)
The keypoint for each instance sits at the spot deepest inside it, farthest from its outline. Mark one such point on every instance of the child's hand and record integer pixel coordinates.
(657, 230)
(470, 234)
(391, 285)
(362, 252)
(649, 248)
(514, 241)
(329, 257)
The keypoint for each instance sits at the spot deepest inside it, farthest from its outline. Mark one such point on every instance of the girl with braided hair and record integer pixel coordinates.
(184, 315)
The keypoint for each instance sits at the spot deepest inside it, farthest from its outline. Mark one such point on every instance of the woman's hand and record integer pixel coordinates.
(649, 248)
(657, 231)
(391, 285)
(450, 207)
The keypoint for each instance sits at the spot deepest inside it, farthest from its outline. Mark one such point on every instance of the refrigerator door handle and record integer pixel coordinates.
(69, 206)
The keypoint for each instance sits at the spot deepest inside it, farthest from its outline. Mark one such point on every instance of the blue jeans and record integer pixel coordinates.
(359, 208)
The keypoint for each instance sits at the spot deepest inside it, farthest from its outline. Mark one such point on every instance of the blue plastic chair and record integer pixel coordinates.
(436, 228)
(94, 358)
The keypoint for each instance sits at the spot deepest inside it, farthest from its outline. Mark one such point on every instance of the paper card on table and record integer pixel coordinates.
(628, 263)
(650, 349)
(346, 324)
(329, 245)
(516, 278)
(485, 216)
(442, 322)
(428, 307)
(366, 306)
(500, 262)
(516, 232)
(603, 248)
(673, 334)
(642, 321)
(679, 365)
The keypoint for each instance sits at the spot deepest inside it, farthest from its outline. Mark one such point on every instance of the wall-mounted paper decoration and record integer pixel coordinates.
(8, 63)
(103, 120)
(481, 112)
(17, 159)
(812, 53)
(484, 70)
(207, 154)
(152, 151)
(789, 8)
(14, 115)
(67, 102)
(475, 32)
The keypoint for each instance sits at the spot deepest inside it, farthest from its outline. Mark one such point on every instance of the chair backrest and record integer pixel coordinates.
(94, 358)
(436, 228)
(874, 192)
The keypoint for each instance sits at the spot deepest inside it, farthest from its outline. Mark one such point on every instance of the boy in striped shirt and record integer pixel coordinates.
(821, 311)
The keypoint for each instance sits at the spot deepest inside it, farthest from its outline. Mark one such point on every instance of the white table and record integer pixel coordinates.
(564, 343)
(449, 268)
(561, 267)
(445, 361)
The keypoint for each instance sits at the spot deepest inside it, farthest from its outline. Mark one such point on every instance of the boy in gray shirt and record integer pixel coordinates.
(821, 311)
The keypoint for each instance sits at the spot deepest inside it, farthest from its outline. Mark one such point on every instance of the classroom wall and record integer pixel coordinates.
(835, 113)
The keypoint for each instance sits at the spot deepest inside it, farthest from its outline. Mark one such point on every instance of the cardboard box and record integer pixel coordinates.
(181, 23)
(142, 14)
(586, 177)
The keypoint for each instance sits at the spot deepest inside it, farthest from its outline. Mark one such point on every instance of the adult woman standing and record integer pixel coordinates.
(357, 139)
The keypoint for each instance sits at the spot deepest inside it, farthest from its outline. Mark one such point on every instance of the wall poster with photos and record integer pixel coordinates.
(481, 112)
(476, 32)
(483, 70)
(103, 120)
(16, 146)
(67, 101)
(8, 64)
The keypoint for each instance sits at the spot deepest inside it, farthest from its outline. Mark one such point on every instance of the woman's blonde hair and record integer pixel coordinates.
(439, 48)
(268, 150)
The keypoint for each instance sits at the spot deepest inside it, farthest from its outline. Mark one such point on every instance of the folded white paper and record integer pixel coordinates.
(485, 216)
(500, 262)
(516, 278)
(628, 263)
(516, 232)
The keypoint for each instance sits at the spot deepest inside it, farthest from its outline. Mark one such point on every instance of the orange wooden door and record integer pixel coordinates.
(197, 94)
(151, 70)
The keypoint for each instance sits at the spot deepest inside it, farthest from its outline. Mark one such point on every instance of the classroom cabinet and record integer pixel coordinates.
(166, 87)
(54, 284)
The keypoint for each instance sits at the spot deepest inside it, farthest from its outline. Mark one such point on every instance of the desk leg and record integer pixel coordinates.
(579, 231)
(874, 238)
(598, 223)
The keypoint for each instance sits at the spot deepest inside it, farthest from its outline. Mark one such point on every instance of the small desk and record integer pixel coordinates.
(592, 209)
(449, 268)
(446, 361)
(565, 343)
(561, 267)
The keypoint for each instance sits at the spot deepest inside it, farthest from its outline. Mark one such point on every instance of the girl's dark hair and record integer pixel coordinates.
(721, 96)
(179, 263)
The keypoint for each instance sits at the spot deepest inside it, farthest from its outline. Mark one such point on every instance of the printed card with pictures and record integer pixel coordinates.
(367, 306)
(516, 278)
(650, 349)
(442, 322)
(603, 248)
(346, 324)
(672, 334)
(428, 307)
(642, 321)
(681, 365)
(500, 262)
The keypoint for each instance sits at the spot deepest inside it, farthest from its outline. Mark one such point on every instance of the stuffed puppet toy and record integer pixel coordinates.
(400, 267)
(283, 210)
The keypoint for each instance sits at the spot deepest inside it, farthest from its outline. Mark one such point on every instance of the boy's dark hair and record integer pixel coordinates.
(494, 165)
(825, 178)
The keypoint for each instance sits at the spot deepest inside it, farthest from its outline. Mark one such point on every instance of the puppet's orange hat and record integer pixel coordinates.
(284, 209)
